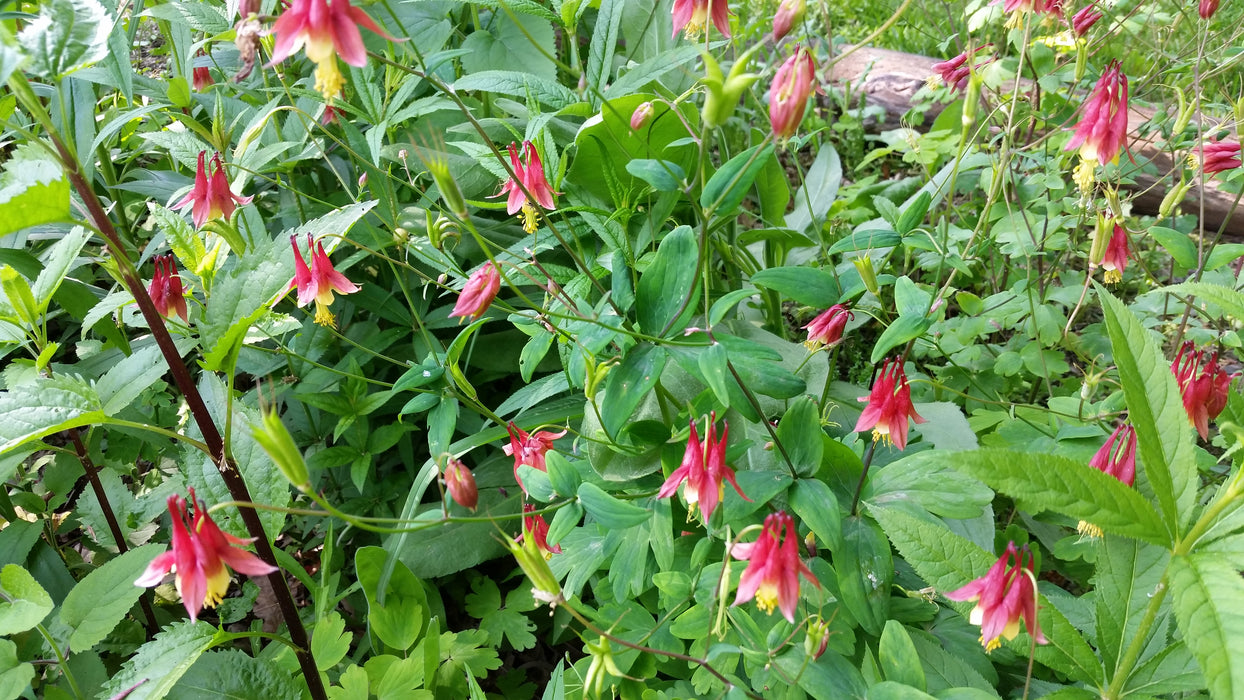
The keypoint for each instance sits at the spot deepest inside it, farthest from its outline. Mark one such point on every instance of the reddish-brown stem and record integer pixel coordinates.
(92, 476)
(202, 417)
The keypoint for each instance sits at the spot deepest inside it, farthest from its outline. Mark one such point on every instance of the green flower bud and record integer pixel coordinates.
(864, 265)
(273, 437)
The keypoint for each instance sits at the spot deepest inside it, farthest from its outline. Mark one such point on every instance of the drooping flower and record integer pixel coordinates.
(1018, 9)
(460, 483)
(1083, 21)
(1103, 125)
(202, 78)
(1007, 592)
(1207, 8)
(704, 470)
(198, 558)
(327, 30)
(789, 13)
(826, 328)
(529, 449)
(1216, 156)
(955, 72)
(210, 197)
(1204, 384)
(889, 405)
(535, 527)
(693, 15)
(1114, 262)
(641, 116)
(788, 96)
(531, 178)
(318, 282)
(481, 288)
(773, 567)
(1118, 456)
(166, 290)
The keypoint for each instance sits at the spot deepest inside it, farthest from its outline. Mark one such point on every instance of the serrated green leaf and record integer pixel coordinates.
(32, 411)
(898, 658)
(609, 511)
(604, 42)
(629, 383)
(160, 663)
(24, 603)
(1128, 571)
(100, 601)
(1065, 486)
(67, 35)
(669, 284)
(58, 261)
(806, 285)
(511, 83)
(227, 675)
(33, 190)
(724, 191)
(929, 482)
(182, 239)
(1155, 408)
(1229, 300)
(1209, 608)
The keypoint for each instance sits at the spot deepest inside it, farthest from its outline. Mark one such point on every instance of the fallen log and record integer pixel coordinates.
(891, 79)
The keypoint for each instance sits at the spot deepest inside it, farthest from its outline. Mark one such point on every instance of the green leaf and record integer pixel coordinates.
(1229, 300)
(59, 260)
(1128, 571)
(512, 83)
(830, 677)
(947, 562)
(130, 377)
(663, 175)
(609, 511)
(24, 603)
(401, 620)
(669, 284)
(67, 35)
(914, 212)
(713, 365)
(1156, 409)
(903, 330)
(235, 674)
(806, 285)
(511, 43)
(871, 239)
(817, 507)
(1063, 485)
(33, 190)
(1178, 244)
(629, 383)
(898, 658)
(929, 482)
(101, 600)
(15, 675)
(1209, 607)
(865, 570)
(820, 189)
(182, 239)
(31, 411)
(604, 42)
(502, 621)
(773, 191)
(160, 663)
(800, 434)
(724, 191)
(655, 68)
(329, 641)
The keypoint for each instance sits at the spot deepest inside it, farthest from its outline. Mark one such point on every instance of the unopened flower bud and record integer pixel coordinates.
(864, 265)
(817, 641)
(460, 483)
(402, 154)
(362, 181)
(273, 437)
(450, 192)
(1173, 198)
(641, 116)
(789, 13)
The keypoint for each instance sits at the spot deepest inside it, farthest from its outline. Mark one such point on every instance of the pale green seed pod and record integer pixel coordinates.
(275, 439)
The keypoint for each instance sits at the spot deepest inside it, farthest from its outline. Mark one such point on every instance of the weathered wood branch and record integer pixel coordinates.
(891, 79)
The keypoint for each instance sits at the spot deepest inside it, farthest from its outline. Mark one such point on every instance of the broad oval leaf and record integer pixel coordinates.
(404, 614)
(668, 289)
(806, 285)
(725, 190)
(629, 383)
(609, 511)
(100, 601)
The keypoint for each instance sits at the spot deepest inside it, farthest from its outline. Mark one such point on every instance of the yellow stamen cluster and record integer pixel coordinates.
(1089, 530)
(328, 78)
(767, 598)
(529, 217)
(217, 586)
(1085, 174)
(884, 437)
(1112, 276)
(323, 316)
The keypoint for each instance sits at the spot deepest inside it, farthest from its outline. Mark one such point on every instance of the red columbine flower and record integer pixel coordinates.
(889, 405)
(1018, 9)
(1003, 595)
(1084, 20)
(827, 328)
(704, 470)
(789, 13)
(211, 197)
(1204, 384)
(1118, 456)
(534, 526)
(1207, 8)
(460, 483)
(955, 72)
(529, 449)
(773, 567)
(319, 281)
(788, 96)
(1216, 156)
(477, 295)
(1103, 124)
(1114, 262)
(327, 31)
(532, 178)
(202, 77)
(165, 289)
(692, 15)
(198, 557)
